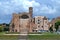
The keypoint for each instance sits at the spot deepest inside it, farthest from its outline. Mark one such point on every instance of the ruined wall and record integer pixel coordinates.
(23, 19)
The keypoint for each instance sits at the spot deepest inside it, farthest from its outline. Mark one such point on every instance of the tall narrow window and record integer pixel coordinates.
(13, 25)
(34, 21)
(16, 30)
(38, 26)
(19, 25)
(12, 30)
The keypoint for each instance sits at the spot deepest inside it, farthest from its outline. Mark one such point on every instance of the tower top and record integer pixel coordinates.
(30, 7)
(30, 11)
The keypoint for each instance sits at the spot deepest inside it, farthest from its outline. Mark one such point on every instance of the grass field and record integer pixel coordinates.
(9, 37)
(46, 36)
(31, 37)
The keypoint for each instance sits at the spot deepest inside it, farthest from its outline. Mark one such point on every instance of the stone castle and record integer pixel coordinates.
(25, 22)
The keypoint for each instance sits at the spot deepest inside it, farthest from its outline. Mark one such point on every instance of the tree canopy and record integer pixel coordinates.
(57, 24)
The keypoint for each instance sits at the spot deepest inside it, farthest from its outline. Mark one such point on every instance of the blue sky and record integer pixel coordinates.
(49, 8)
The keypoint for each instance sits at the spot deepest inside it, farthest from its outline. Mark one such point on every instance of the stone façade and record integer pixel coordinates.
(24, 21)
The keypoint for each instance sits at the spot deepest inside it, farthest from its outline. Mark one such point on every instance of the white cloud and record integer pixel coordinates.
(15, 5)
(57, 1)
(46, 9)
(0, 3)
(9, 7)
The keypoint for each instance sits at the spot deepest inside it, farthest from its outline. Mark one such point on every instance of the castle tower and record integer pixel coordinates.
(30, 11)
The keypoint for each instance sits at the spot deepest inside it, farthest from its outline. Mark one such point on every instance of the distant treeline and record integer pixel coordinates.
(4, 27)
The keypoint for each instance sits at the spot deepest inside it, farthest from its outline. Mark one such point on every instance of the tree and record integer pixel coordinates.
(57, 24)
(6, 28)
(1, 29)
(51, 29)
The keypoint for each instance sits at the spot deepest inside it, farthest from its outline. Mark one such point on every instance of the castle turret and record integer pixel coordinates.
(30, 11)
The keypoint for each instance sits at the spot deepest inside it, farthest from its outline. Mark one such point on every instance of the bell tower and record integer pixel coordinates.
(30, 11)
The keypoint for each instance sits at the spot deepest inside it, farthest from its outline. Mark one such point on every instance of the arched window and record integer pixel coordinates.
(39, 21)
(24, 16)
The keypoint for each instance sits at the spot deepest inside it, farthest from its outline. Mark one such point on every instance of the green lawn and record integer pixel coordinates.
(45, 33)
(44, 37)
(31, 37)
(9, 37)
(1, 33)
